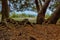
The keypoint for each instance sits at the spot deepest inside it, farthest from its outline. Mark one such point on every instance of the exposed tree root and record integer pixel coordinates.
(24, 22)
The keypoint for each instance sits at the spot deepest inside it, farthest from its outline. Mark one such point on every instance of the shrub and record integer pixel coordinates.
(14, 15)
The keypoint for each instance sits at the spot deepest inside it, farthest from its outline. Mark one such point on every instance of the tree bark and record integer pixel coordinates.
(5, 9)
(43, 0)
(37, 5)
(40, 3)
(54, 17)
(41, 14)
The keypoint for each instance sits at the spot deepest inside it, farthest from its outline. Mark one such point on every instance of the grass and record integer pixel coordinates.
(14, 15)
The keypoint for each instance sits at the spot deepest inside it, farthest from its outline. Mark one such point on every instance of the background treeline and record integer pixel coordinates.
(14, 15)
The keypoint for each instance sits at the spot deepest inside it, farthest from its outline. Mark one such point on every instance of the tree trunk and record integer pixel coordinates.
(41, 14)
(43, 0)
(40, 3)
(54, 17)
(37, 5)
(5, 9)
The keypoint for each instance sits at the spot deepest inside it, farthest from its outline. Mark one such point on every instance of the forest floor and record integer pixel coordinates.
(15, 31)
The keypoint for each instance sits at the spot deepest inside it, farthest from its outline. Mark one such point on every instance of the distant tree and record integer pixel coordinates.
(22, 5)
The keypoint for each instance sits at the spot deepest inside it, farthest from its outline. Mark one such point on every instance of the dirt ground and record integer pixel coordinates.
(28, 32)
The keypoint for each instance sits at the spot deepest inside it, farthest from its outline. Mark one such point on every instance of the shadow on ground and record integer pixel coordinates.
(28, 32)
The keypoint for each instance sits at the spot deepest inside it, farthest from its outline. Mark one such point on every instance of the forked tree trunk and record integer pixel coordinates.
(41, 14)
(54, 17)
(5, 9)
